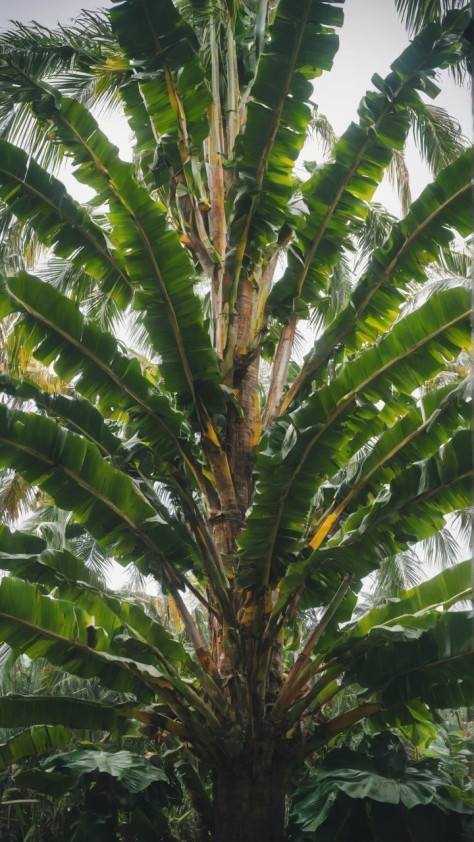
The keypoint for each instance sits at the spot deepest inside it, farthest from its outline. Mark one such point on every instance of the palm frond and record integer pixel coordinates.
(441, 550)
(48, 523)
(461, 523)
(19, 246)
(457, 263)
(133, 335)
(18, 360)
(7, 660)
(130, 580)
(52, 681)
(81, 60)
(399, 177)
(397, 573)
(339, 289)
(321, 129)
(418, 13)
(74, 282)
(340, 284)
(437, 135)
(421, 292)
(57, 528)
(17, 497)
(378, 224)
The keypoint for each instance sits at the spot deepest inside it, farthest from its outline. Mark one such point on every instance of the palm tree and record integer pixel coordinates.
(251, 487)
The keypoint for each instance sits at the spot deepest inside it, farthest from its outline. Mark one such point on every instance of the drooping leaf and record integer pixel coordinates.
(79, 479)
(35, 196)
(131, 770)
(169, 74)
(411, 508)
(64, 337)
(434, 666)
(347, 777)
(160, 270)
(60, 716)
(441, 591)
(36, 740)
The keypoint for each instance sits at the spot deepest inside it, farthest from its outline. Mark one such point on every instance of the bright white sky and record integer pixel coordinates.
(370, 40)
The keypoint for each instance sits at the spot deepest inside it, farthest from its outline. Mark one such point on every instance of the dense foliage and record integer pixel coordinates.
(157, 397)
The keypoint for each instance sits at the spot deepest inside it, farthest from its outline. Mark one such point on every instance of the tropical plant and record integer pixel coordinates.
(97, 794)
(377, 794)
(251, 486)
(105, 785)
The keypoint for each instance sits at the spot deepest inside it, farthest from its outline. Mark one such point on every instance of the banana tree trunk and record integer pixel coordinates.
(250, 808)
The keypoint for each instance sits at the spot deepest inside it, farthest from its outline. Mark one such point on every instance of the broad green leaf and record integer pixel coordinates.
(35, 196)
(303, 449)
(105, 500)
(91, 357)
(59, 713)
(442, 590)
(336, 195)
(39, 739)
(302, 44)
(69, 577)
(171, 80)
(410, 509)
(76, 412)
(65, 634)
(360, 777)
(413, 245)
(434, 666)
(159, 268)
(40, 626)
(133, 771)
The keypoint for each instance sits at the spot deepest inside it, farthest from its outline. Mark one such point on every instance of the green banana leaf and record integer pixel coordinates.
(302, 44)
(417, 608)
(432, 665)
(37, 740)
(61, 716)
(414, 243)
(339, 191)
(81, 351)
(104, 499)
(69, 577)
(66, 771)
(443, 590)
(375, 793)
(75, 412)
(164, 48)
(410, 509)
(36, 196)
(154, 259)
(303, 449)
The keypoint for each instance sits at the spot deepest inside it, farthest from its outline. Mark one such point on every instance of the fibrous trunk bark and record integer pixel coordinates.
(250, 808)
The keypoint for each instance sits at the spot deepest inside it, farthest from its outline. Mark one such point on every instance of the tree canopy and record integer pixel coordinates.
(152, 387)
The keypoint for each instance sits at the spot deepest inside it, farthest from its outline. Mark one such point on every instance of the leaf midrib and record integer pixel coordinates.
(83, 231)
(317, 361)
(85, 351)
(342, 406)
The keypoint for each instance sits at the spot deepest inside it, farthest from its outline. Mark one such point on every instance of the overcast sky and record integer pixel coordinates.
(47, 12)
(370, 40)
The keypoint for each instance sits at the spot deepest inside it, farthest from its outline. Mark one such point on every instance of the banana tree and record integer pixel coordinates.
(285, 483)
